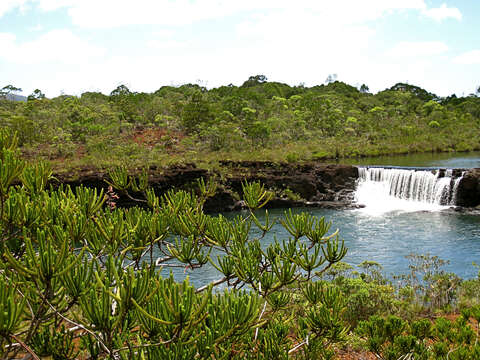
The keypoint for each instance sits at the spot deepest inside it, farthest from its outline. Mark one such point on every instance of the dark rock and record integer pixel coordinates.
(336, 205)
(312, 184)
(176, 177)
(222, 201)
(463, 210)
(468, 192)
(284, 203)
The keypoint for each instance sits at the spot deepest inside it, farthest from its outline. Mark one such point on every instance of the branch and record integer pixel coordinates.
(215, 283)
(162, 260)
(79, 326)
(125, 192)
(259, 318)
(142, 346)
(298, 346)
(27, 349)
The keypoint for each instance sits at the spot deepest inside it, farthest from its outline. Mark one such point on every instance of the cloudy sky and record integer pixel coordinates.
(72, 46)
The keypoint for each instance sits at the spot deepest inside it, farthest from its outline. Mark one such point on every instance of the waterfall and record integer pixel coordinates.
(453, 201)
(382, 190)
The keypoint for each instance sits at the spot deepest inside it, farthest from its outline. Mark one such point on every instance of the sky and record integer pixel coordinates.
(73, 46)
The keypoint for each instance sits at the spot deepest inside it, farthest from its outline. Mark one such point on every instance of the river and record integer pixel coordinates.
(390, 228)
(435, 160)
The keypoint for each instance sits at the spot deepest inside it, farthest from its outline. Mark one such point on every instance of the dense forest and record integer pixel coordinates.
(281, 122)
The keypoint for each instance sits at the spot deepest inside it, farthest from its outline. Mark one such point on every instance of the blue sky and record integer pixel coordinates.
(72, 46)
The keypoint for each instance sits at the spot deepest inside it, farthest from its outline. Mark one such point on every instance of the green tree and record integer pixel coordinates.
(37, 94)
(259, 131)
(126, 102)
(364, 89)
(9, 89)
(196, 112)
(254, 80)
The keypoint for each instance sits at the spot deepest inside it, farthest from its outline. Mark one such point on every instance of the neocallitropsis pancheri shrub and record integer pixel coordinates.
(80, 278)
(392, 338)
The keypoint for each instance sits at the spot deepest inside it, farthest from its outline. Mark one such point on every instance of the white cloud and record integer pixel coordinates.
(288, 41)
(443, 12)
(57, 46)
(167, 44)
(9, 5)
(112, 13)
(234, 64)
(417, 49)
(36, 28)
(115, 13)
(468, 58)
(51, 5)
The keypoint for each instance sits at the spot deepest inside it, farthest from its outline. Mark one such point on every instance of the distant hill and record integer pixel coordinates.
(14, 97)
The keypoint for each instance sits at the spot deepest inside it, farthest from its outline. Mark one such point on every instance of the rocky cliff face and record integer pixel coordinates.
(316, 184)
(313, 182)
(468, 192)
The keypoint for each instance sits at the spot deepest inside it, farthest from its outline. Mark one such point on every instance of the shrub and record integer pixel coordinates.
(73, 267)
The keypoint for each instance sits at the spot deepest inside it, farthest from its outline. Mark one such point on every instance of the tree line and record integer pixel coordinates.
(280, 121)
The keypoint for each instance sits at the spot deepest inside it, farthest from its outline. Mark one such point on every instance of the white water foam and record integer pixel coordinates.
(454, 191)
(388, 190)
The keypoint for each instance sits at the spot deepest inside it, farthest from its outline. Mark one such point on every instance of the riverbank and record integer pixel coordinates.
(313, 184)
(293, 185)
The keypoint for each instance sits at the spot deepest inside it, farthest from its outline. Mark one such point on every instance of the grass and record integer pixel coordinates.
(139, 147)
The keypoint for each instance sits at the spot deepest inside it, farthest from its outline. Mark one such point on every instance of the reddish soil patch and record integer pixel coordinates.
(48, 151)
(156, 136)
(350, 354)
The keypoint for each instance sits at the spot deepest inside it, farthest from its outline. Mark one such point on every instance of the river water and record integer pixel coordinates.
(436, 160)
(396, 223)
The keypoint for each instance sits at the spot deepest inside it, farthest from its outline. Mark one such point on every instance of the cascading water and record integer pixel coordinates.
(455, 188)
(384, 190)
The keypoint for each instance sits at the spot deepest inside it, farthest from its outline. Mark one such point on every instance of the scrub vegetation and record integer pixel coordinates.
(259, 120)
(83, 279)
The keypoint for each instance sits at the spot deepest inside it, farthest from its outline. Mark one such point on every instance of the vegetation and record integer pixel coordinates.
(80, 278)
(281, 122)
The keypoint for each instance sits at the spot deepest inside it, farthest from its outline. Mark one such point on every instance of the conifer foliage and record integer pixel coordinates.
(80, 278)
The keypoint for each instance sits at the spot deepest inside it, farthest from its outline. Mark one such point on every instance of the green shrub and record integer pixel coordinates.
(292, 157)
(81, 262)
